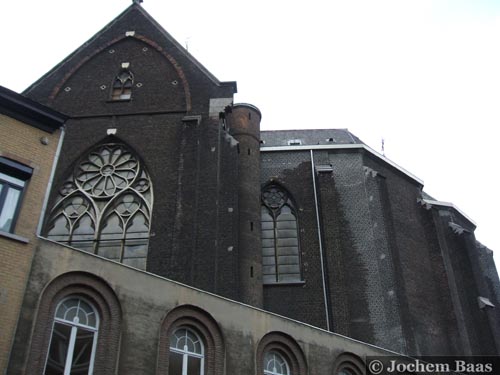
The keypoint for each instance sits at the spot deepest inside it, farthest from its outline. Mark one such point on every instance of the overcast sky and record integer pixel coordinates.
(424, 75)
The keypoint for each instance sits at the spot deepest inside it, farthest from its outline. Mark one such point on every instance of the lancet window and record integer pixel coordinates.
(105, 206)
(280, 239)
(122, 84)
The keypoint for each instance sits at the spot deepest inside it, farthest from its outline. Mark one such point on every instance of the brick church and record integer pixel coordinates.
(178, 238)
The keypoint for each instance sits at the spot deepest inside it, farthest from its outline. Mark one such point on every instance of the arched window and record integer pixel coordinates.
(280, 239)
(105, 206)
(191, 343)
(187, 355)
(348, 364)
(279, 354)
(74, 338)
(275, 364)
(122, 84)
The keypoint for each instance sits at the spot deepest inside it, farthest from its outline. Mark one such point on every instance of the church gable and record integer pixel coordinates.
(129, 75)
(159, 74)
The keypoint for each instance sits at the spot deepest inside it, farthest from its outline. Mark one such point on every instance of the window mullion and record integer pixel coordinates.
(275, 227)
(71, 348)
(92, 355)
(3, 195)
(184, 364)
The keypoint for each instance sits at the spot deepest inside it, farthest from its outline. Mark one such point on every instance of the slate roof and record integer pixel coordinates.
(273, 138)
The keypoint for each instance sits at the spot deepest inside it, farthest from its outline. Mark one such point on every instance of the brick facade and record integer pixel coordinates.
(381, 262)
(21, 142)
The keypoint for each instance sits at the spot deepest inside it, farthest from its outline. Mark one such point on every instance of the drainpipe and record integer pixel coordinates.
(49, 185)
(320, 241)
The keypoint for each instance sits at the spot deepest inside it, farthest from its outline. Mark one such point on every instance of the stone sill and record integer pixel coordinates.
(14, 237)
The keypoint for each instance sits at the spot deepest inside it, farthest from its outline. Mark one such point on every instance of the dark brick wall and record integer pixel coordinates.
(360, 263)
(418, 268)
(304, 302)
(490, 274)
(470, 284)
(192, 164)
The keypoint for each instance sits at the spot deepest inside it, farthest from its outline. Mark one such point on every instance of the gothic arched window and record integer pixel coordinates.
(280, 240)
(74, 338)
(105, 206)
(122, 84)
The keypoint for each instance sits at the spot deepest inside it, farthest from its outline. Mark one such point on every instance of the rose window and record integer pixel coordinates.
(107, 171)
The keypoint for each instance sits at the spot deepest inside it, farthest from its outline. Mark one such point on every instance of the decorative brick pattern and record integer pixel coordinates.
(286, 346)
(201, 322)
(101, 296)
(349, 362)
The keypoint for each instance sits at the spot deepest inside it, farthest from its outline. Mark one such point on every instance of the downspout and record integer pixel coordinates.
(49, 185)
(320, 241)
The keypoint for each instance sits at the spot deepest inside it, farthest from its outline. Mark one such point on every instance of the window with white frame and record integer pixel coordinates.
(279, 236)
(74, 338)
(13, 178)
(187, 356)
(275, 364)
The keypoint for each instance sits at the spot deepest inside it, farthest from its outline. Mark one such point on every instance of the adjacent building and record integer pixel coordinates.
(31, 135)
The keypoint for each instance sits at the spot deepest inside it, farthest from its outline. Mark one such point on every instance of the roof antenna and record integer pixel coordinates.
(137, 1)
(187, 43)
(383, 148)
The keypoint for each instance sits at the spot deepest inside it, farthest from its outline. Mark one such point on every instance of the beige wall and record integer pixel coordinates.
(21, 142)
(145, 299)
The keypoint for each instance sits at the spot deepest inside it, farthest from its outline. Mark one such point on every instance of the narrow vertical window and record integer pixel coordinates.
(275, 364)
(122, 84)
(280, 240)
(186, 353)
(74, 338)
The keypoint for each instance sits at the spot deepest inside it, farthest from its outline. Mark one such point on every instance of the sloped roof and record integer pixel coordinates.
(274, 138)
(135, 14)
(30, 112)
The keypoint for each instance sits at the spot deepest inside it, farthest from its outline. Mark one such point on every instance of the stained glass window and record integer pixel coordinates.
(279, 234)
(105, 206)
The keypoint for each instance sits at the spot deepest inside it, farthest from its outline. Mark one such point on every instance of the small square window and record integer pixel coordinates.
(13, 177)
(294, 142)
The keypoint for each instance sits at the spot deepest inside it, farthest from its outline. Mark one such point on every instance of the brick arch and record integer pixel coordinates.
(102, 296)
(285, 345)
(204, 325)
(350, 362)
(180, 72)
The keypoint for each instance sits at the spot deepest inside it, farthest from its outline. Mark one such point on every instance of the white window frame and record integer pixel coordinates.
(275, 353)
(13, 176)
(186, 353)
(74, 329)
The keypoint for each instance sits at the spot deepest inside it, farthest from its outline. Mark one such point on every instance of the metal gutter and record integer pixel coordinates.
(320, 242)
(356, 146)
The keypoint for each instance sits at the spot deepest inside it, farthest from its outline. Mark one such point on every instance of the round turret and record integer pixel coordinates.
(244, 126)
